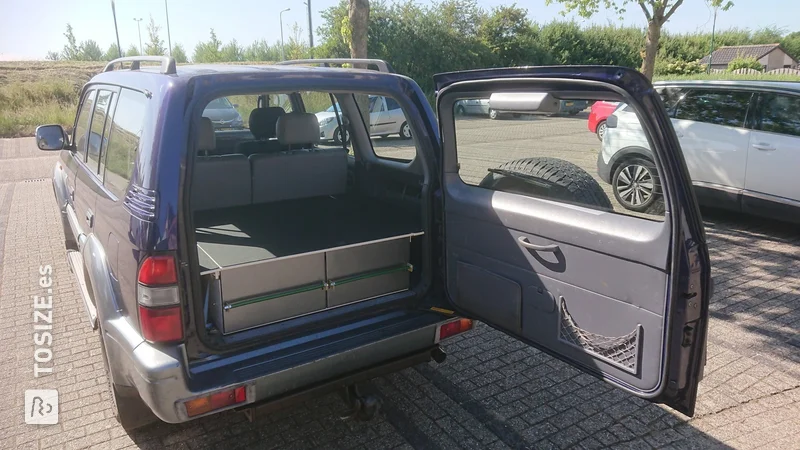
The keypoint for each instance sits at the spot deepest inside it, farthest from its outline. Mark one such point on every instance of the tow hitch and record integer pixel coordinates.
(363, 407)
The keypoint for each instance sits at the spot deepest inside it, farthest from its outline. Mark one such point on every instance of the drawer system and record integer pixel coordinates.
(253, 294)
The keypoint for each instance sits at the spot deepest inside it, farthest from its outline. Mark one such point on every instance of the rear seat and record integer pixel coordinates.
(301, 172)
(262, 124)
(219, 181)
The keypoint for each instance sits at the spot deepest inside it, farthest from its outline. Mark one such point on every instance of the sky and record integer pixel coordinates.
(30, 34)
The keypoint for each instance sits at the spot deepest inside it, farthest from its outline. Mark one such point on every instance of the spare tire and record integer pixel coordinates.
(550, 178)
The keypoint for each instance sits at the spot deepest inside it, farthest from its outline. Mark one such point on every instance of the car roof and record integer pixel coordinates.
(747, 84)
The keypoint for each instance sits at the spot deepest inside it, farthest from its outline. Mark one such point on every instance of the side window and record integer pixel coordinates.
(97, 137)
(671, 96)
(505, 143)
(123, 142)
(391, 104)
(715, 107)
(79, 135)
(779, 114)
(389, 130)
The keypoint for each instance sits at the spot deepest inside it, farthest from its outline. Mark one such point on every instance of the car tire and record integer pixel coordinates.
(493, 114)
(635, 184)
(550, 178)
(601, 129)
(130, 410)
(405, 131)
(461, 111)
(337, 136)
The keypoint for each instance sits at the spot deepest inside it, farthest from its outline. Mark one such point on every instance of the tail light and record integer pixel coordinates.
(215, 401)
(160, 315)
(453, 328)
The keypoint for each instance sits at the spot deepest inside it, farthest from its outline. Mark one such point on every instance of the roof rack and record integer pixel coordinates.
(167, 63)
(382, 65)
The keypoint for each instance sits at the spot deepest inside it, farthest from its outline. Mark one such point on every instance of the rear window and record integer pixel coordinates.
(123, 143)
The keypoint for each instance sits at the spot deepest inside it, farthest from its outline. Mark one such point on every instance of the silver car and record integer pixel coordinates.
(385, 118)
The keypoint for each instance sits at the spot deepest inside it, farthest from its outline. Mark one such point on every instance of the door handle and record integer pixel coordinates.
(523, 241)
(89, 218)
(763, 146)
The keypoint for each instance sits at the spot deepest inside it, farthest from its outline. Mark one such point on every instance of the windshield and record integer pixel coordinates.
(219, 103)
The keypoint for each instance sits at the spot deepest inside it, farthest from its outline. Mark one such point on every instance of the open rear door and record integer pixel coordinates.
(599, 261)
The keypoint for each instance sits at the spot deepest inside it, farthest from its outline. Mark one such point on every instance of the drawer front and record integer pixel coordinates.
(357, 260)
(272, 276)
(263, 312)
(366, 271)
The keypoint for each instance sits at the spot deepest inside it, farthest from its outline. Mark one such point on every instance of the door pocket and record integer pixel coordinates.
(475, 285)
(620, 351)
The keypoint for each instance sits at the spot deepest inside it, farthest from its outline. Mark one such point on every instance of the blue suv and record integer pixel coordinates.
(235, 268)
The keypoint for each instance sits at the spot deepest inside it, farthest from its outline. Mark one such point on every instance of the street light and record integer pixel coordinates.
(280, 16)
(139, 27)
(310, 29)
(169, 39)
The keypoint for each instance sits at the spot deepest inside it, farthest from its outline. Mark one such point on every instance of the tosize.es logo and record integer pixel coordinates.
(41, 406)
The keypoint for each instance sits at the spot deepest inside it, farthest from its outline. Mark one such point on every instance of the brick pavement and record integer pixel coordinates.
(492, 392)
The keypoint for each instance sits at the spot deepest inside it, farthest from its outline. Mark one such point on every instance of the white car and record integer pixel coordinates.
(385, 118)
(740, 140)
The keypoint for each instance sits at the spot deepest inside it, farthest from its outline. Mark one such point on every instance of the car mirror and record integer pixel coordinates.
(51, 137)
(525, 102)
(611, 121)
(235, 105)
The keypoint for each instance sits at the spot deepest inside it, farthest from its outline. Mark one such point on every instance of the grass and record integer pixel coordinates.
(33, 93)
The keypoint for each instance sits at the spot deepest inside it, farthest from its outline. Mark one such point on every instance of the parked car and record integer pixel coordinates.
(385, 118)
(225, 281)
(472, 106)
(503, 104)
(598, 115)
(741, 141)
(223, 114)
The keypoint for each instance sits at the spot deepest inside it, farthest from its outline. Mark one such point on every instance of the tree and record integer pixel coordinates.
(262, 51)
(791, 43)
(358, 27)
(52, 56)
(508, 34)
(155, 45)
(111, 53)
(90, 51)
(657, 12)
(179, 53)
(232, 51)
(133, 50)
(71, 51)
(205, 52)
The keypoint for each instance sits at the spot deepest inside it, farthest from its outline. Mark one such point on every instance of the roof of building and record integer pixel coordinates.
(725, 55)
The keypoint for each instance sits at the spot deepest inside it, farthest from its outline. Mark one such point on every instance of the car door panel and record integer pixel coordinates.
(774, 152)
(576, 276)
(594, 288)
(715, 153)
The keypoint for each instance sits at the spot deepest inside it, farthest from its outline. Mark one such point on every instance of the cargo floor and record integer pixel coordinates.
(231, 236)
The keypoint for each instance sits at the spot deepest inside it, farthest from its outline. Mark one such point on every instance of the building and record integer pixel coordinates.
(771, 56)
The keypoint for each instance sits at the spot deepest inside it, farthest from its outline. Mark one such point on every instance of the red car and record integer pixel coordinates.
(598, 115)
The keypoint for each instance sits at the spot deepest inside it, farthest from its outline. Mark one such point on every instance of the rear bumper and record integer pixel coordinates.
(280, 371)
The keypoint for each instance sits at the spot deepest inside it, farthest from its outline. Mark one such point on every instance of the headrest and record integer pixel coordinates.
(298, 128)
(206, 140)
(263, 120)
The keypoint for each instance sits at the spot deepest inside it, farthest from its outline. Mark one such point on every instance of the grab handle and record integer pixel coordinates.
(523, 241)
